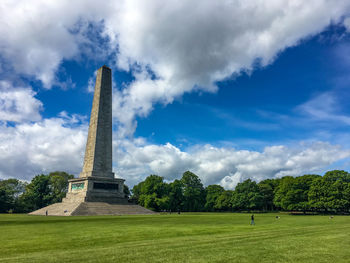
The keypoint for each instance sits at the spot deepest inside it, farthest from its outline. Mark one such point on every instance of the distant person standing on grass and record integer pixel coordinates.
(252, 220)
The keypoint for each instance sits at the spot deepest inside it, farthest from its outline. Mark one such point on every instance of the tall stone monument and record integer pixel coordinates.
(96, 182)
(97, 191)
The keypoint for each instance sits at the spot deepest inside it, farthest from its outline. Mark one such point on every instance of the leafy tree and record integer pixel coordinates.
(10, 190)
(136, 191)
(318, 195)
(224, 201)
(331, 192)
(300, 192)
(292, 192)
(152, 192)
(154, 184)
(44, 190)
(328, 193)
(247, 196)
(212, 194)
(58, 184)
(193, 192)
(148, 201)
(176, 196)
(337, 176)
(281, 192)
(267, 188)
(37, 193)
(163, 203)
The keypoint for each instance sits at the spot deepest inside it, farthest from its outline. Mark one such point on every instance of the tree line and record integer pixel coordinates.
(328, 193)
(310, 192)
(21, 197)
(44, 189)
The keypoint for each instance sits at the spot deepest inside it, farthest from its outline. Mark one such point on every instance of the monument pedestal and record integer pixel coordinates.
(96, 189)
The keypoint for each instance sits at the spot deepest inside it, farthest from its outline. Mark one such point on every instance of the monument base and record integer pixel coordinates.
(93, 196)
(96, 189)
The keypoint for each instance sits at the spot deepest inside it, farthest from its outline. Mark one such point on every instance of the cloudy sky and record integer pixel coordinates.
(230, 89)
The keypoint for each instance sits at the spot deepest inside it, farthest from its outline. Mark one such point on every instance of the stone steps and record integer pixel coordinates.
(57, 209)
(100, 208)
(91, 208)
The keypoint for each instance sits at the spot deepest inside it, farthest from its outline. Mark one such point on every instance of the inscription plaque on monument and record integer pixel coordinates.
(78, 186)
(105, 186)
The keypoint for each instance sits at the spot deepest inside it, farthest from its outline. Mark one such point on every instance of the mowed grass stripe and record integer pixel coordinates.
(172, 238)
(171, 246)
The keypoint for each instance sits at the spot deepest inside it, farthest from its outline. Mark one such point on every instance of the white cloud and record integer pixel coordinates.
(347, 24)
(59, 143)
(225, 166)
(324, 107)
(36, 36)
(170, 48)
(41, 147)
(91, 82)
(189, 46)
(18, 104)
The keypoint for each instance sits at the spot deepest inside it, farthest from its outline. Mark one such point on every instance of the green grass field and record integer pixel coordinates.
(189, 237)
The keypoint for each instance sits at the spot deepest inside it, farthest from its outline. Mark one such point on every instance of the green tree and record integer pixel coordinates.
(212, 194)
(58, 184)
(10, 190)
(337, 176)
(152, 193)
(247, 196)
(136, 191)
(292, 192)
(193, 192)
(267, 188)
(318, 194)
(176, 196)
(44, 190)
(37, 193)
(300, 192)
(281, 192)
(331, 192)
(224, 201)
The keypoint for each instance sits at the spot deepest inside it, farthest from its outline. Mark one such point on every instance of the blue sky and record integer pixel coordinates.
(230, 91)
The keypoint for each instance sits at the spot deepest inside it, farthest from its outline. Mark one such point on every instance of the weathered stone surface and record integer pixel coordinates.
(98, 151)
(96, 182)
(91, 208)
(89, 191)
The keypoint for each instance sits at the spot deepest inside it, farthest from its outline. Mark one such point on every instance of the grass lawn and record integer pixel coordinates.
(189, 237)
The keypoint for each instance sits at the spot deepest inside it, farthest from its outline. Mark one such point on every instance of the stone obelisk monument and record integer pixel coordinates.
(96, 182)
(98, 152)
(97, 191)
